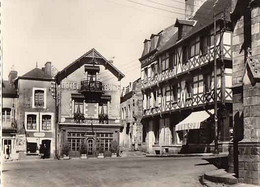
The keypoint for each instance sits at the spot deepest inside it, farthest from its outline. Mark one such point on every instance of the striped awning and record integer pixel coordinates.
(193, 121)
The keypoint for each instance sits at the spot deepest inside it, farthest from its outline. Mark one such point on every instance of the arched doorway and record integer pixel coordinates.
(90, 144)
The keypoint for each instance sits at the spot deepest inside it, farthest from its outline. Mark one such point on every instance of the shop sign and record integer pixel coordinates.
(39, 134)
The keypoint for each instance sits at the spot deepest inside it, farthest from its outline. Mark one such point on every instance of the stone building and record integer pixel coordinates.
(131, 116)
(36, 111)
(244, 154)
(178, 82)
(88, 105)
(9, 116)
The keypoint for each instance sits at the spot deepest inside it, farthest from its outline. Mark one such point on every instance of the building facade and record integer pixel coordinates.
(36, 111)
(9, 113)
(244, 154)
(88, 104)
(131, 116)
(178, 83)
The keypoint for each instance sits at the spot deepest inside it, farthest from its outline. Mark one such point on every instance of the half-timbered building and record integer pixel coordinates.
(88, 104)
(178, 82)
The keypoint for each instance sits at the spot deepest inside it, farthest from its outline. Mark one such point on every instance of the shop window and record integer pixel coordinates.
(31, 122)
(46, 122)
(39, 98)
(31, 147)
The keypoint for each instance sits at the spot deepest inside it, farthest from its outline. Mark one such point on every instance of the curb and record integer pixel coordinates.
(221, 176)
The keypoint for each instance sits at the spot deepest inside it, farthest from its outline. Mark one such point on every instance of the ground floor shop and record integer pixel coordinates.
(186, 132)
(94, 138)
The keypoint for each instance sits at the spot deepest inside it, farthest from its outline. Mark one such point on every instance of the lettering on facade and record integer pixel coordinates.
(76, 86)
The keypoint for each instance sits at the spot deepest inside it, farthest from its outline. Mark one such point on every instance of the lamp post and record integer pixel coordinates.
(215, 84)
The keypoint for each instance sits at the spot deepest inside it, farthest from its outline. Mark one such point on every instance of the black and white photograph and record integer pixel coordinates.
(130, 93)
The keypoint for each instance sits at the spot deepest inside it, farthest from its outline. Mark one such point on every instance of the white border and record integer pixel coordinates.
(37, 121)
(52, 121)
(45, 97)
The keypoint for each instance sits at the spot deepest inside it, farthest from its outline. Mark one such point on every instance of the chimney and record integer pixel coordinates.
(47, 68)
(191, 6)
(12, 76)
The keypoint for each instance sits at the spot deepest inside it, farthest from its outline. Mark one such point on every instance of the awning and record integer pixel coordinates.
(193, 121)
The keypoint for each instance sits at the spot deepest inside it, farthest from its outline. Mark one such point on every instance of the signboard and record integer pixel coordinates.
(20, 142)
(39, 134)
(76, 86)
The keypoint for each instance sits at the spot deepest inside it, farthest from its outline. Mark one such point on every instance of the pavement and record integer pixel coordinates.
(122, 172)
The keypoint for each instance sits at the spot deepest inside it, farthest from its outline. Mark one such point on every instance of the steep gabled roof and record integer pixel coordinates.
(90, 57)
(36, 74)
(8, 90)
(204, 18)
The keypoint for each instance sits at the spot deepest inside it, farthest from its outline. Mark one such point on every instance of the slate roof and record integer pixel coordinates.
(36, 74)
(204, 18)
(8, 90)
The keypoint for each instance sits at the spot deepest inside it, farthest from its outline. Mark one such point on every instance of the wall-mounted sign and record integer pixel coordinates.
(21, 142)
(76, 86)
(39, 134)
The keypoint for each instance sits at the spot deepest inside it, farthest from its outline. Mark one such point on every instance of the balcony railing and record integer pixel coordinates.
(91, 86)
(223, 51)
(194, 100)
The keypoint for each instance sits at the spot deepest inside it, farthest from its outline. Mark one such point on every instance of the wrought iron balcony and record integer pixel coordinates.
(91, 86)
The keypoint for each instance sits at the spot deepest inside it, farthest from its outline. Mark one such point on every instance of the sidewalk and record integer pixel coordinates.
(188, 155)
(222, 178)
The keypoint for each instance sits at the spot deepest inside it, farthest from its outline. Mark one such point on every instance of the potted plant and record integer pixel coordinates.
(107, 154)
(114, 148)
(83, 151)
(100, 151)
(65, 152)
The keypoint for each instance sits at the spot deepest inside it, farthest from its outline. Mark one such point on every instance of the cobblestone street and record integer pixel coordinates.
(106, 172)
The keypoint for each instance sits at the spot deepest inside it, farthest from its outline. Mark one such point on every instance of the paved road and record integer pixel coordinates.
(119, 172)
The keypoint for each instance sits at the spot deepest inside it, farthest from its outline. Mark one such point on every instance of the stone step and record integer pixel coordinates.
(221, 176)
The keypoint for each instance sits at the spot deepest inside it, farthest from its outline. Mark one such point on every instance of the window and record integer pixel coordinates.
(31, 122)
(145, 73)
(204, 45)
(185, 55)
(168, 94)
(46, 122)
(207, 83)
(152, 71)
(164, 63)
(39, 98)
(6, 115)
(189, 89)
(78, 107)
(175, 93)
(195, 47)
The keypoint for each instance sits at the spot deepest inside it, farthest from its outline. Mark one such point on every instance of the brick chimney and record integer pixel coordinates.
(47, 68)
(12, 76)
(191, 6)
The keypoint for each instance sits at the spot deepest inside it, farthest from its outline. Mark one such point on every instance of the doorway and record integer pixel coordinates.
(90, 147)
(47, 143)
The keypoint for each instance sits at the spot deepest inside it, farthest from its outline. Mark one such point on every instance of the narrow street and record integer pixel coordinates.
(106, 172)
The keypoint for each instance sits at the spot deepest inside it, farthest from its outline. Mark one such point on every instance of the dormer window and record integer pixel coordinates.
(147, 46)
(184, 27)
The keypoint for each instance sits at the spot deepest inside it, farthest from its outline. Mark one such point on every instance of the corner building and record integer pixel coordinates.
(88, 104)
(178, 82)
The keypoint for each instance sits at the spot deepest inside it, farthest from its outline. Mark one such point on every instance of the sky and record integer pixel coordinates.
(60, 31)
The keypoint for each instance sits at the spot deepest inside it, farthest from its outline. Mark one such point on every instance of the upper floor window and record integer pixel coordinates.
(189, 88)
(164, 63)
(31, 122)
(145, 73)
(185, 55)
(173, 60)
(39, 98)
(152, 70)
(175, 93)
(207, 82)
(195, 47)
(168, 94)
(46, 122)
(78, 107)
(6, 114)
(204, 45)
